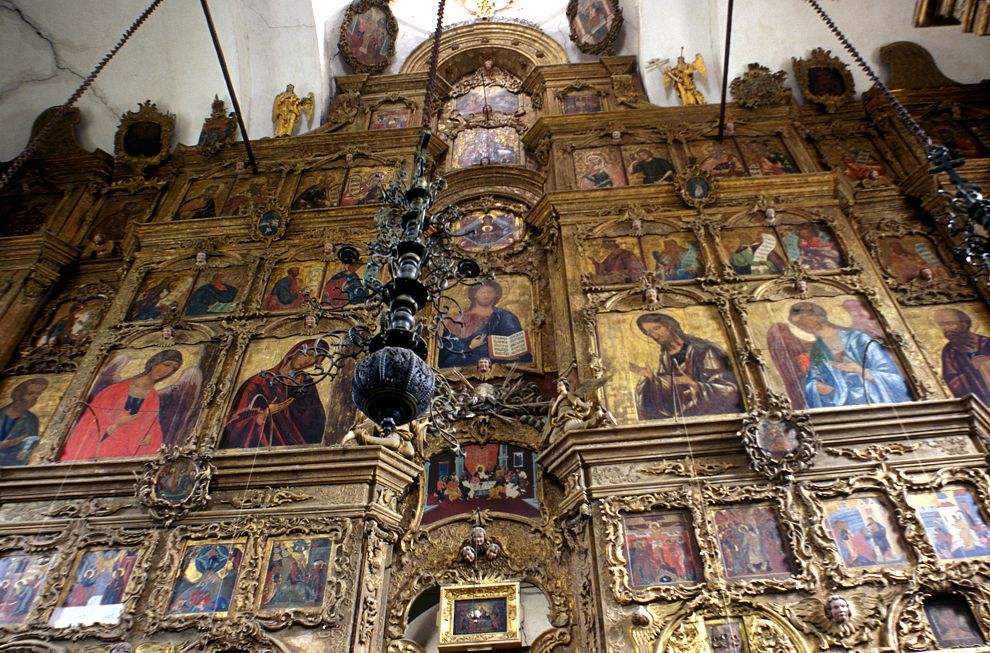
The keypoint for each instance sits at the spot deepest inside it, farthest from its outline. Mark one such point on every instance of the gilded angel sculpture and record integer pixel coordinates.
(682, 78)
(287, 108)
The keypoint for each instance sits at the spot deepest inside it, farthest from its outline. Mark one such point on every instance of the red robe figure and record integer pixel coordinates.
(122, 419)
(272, 413)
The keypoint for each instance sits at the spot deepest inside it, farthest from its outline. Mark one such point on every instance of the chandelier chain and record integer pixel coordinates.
(962, 212)
(899, 108)
(21, 158)
(431, 82)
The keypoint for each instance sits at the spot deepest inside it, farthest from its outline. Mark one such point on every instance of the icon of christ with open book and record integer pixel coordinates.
(484, 331)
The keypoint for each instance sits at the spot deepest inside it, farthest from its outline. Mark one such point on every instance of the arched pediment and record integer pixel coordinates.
(514, 47)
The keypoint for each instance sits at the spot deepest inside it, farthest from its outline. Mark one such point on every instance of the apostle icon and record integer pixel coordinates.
(693, 377)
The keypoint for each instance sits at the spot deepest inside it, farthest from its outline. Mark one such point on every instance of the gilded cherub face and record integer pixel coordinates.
(838, 610)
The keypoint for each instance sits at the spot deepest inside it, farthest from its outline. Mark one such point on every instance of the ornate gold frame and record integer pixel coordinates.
(56, 545)
(451, 594)
(167, 510)
(689, 183)
(813, 495)
(35, 359)
(330, 614)
(143, 541)
(821, 58)
(270, 206)
(910, 625)
(254, 535)
(938, 569)
(607, 44)
(614, 507)
(918, 291)
(792, 533)
(356, 8)
(147, 112)
(801, 457)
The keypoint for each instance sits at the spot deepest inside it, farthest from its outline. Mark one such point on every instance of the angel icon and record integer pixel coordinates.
(132, 417)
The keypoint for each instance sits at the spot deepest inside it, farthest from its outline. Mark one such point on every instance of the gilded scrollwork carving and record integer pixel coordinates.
(779, 443)
(94, 507)
(175, 482)
(378, 543)
(266, 498)
(427, 559)
(686, 467)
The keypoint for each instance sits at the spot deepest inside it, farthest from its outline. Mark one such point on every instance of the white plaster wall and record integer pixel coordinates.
(771, 32)
(48, 46)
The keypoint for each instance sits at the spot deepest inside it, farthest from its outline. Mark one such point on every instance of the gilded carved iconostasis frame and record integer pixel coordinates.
(591, 229)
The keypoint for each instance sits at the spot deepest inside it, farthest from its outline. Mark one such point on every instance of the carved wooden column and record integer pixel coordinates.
(29, 267)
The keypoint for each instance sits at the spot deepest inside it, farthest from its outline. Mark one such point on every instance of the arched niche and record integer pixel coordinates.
(422, 626)
(515, 47)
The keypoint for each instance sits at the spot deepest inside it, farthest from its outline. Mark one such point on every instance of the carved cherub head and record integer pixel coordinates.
(484, 365)
(837, 609)
(201, 259)
(492, 550)
(479, 536)
(468, 553)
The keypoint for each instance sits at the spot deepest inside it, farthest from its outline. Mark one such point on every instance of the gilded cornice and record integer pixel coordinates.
(563, 126)
(42, 248)
(237, 471)
(584, 71)
(286, 153)
(577, 207)
(716, 438)
(513, 181)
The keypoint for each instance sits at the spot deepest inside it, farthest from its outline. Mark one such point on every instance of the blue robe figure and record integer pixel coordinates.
(862, 373)
(466, 341)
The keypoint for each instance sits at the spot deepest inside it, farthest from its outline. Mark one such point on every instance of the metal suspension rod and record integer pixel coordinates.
(21, 158)
(725, 72)
(230, 85)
